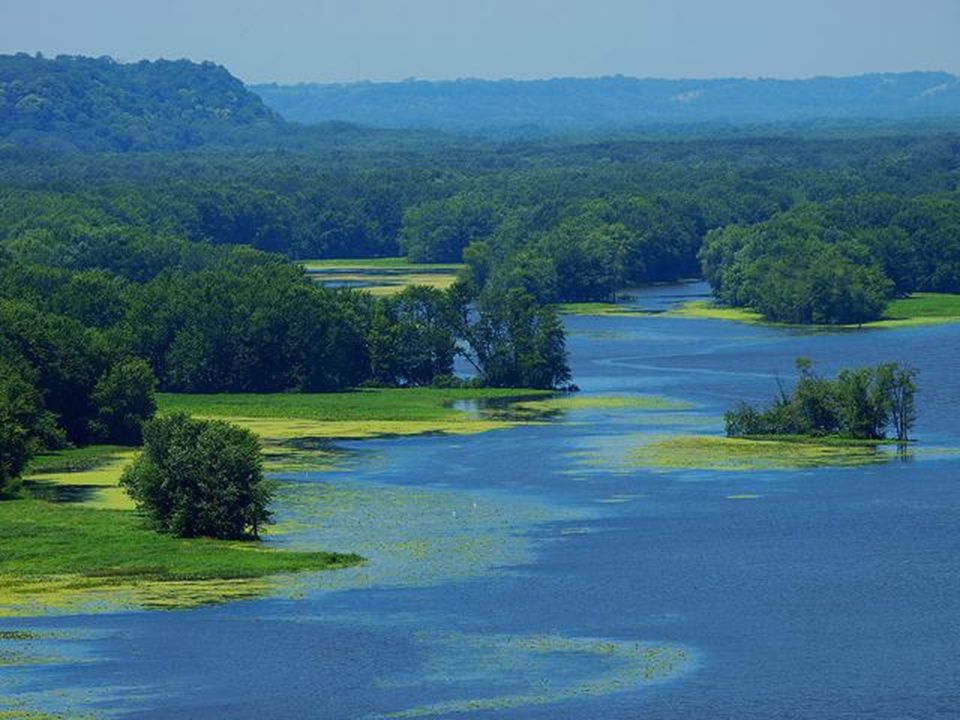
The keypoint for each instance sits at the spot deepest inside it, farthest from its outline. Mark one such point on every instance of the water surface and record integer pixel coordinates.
(516, 573)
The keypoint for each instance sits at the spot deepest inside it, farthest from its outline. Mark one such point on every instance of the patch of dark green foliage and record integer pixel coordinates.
(200, 478)
(861, 403)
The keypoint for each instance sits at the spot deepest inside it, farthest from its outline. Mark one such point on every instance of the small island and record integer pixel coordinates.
(860, 405)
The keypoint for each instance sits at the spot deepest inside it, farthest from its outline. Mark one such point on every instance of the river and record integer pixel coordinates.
(532, 573)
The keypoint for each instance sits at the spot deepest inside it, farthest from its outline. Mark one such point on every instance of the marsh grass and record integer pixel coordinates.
(57, 556)
(710, 452)
(601, 308)
(603, 402)
(382, 276)
(918, 309)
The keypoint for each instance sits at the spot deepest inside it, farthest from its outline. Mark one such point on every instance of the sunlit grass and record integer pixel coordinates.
(88, 475)
(58, 556)
(603, 402)
(382, 276)
(918, 309)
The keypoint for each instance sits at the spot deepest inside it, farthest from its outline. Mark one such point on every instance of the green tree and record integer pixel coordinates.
(25, 427)
(125, 400)
(510, 340)
(200, 478)
(411, 340)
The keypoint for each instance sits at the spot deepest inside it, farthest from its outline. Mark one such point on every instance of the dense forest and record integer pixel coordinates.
(615, 102)
(100, 104)
(862, 218)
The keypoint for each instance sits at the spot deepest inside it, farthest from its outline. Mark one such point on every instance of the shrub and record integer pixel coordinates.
(200, 478)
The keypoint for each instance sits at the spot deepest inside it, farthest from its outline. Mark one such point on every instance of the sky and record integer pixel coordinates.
(289, 41)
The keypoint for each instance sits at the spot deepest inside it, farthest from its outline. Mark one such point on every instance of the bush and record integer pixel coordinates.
(200, 478)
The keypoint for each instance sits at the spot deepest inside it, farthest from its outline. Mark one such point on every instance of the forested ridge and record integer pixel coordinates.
(615, 102)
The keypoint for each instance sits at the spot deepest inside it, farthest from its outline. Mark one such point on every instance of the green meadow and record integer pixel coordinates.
(382, 276)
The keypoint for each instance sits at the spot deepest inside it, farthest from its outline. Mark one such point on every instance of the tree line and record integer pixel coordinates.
(838, 262)
(85, 343)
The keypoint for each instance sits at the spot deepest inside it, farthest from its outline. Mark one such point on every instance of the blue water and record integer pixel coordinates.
(831, 593)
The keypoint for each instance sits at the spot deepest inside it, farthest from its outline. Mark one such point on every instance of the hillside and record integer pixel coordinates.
(80, 103)
(569, 103)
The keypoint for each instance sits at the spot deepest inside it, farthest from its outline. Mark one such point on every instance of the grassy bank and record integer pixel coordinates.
(918, 309)
(77, 542)
(297, 429)
(382, 276)
(60, 556)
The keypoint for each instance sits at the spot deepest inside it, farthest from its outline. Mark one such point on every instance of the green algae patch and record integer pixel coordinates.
(602, 402)
(88, 476)
(546, 669)
(297, 429)
(413, 537)
(600, 309)
(708, 452)
(59, 558)
(381, 276)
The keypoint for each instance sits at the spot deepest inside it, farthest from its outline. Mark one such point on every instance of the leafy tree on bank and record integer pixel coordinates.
(24, 425)
(200, 478)
(509, 339)
(411, 339)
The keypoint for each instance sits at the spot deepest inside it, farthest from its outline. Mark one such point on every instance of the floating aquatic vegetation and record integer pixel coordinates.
(83, 477)
(533, 670)
(626, 453)
(603, 402)
(711, 452)
(412, 536)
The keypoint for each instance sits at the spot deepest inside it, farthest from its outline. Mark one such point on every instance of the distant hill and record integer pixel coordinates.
(81, 103)
(621, 102)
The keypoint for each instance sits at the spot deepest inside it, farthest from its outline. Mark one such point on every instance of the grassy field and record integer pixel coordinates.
(66, 557)
(382, 276)
(296, 431)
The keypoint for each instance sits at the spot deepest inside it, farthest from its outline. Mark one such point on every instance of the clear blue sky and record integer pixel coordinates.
(344, 40)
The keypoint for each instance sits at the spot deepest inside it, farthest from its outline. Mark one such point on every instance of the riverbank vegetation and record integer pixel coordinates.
(860, 404)
(61, 557)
